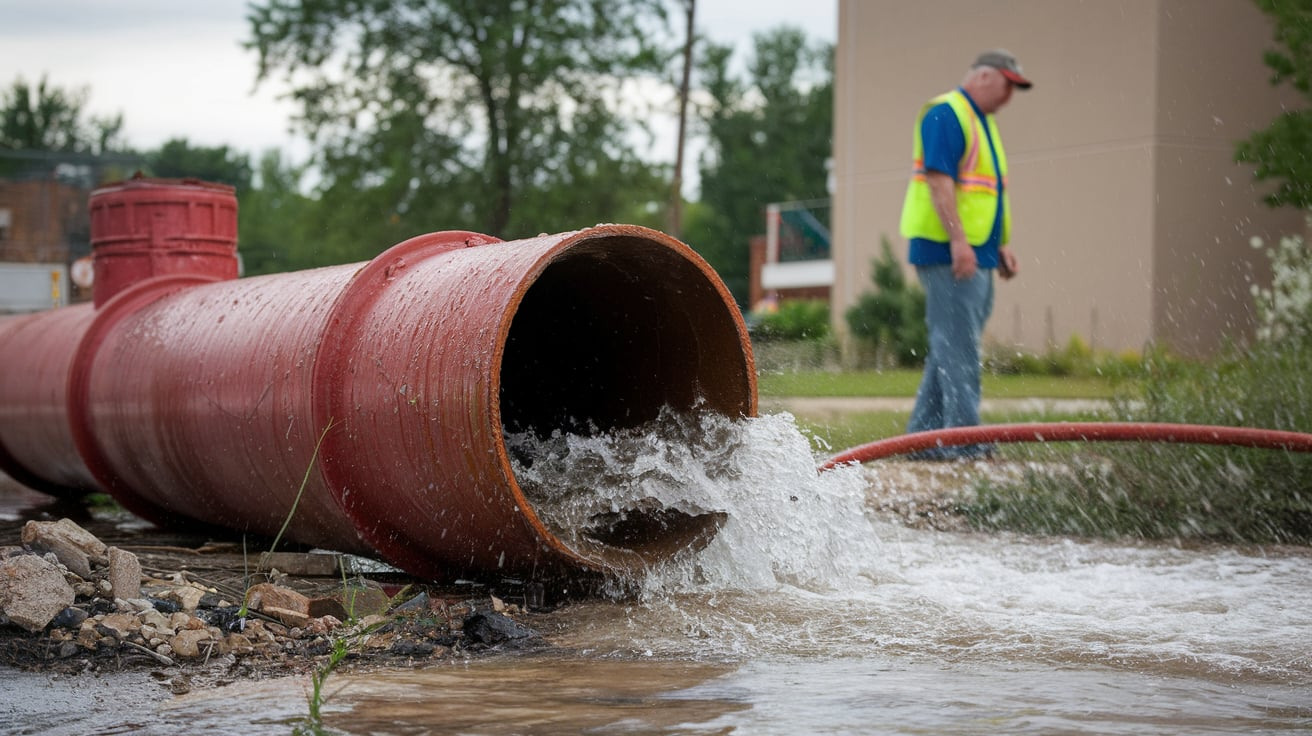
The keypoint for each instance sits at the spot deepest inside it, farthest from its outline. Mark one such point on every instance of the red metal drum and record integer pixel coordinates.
(36, 444)
(153, 227)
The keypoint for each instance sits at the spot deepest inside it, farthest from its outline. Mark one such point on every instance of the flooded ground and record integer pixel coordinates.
(813, 613)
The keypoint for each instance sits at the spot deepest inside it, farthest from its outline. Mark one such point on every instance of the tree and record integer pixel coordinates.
(769, 138)
(463, 114)
(50, 119)
(178, 159)
(36, 123)
(275, 224)
(1280, 151)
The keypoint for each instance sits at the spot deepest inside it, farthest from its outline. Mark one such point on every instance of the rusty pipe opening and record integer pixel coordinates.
(615, 328)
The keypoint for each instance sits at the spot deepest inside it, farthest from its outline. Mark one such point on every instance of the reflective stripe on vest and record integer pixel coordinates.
(976, 185)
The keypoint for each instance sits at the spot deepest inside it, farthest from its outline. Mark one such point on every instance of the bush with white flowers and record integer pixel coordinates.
(1284, 310)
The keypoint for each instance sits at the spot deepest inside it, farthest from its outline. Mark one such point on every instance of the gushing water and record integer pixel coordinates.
(802, 567)
(811, 613)
(785, 524)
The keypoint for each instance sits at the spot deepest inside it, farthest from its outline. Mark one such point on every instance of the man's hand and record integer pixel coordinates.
(1008, 266)
(964, 261)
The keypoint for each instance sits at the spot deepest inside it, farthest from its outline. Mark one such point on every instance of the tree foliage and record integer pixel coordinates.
(769, 136)
(487, 115)
(178, 159)
(49, 118)
(47, 123)
(276, 222)
(1280, 152)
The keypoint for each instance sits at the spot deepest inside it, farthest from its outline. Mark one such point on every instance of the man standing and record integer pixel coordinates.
(958, 220)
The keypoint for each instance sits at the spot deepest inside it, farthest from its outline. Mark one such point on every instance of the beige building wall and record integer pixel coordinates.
(1131, 220)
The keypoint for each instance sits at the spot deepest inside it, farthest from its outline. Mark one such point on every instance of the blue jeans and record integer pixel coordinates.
(955, 312)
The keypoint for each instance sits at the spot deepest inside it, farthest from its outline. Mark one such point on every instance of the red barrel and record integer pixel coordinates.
(205, 401)
(36, 443)
(153, 227)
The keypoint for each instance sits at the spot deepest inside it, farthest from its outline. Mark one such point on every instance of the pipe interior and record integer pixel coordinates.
(613, 330)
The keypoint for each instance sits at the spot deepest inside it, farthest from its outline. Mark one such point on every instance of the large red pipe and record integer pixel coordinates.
(196, 397)
(36, 442)
(1077, 432)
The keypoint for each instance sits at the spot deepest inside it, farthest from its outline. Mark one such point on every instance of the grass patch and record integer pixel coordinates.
(903, 383)
(1222, 494)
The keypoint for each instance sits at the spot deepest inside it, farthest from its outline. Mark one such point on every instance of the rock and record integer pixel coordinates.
(156, 619)
(356, 601)
(284, 604)
(236, 644)
(418, 603)
(70, 618)
(186, 597)
(73, 545)
(119, 625)
(124, 574)
(407, 648)
(191, 643)
(32, 591)
(493, 629)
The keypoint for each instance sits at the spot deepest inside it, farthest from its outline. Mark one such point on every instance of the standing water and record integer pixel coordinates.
(807, 614)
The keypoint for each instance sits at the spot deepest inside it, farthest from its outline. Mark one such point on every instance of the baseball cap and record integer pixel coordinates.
(1003, 61)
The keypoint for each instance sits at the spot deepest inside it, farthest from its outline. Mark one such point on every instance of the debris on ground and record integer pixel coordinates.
(70, 602)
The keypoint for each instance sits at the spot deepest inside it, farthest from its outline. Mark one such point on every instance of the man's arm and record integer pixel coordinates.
(943, 192)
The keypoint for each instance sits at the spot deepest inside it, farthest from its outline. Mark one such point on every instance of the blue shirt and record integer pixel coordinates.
(944, 144)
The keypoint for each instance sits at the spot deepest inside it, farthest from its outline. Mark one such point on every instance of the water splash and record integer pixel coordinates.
(785, 524)
(802, 568)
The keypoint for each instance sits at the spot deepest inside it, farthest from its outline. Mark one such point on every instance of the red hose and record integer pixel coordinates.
(1197, 434)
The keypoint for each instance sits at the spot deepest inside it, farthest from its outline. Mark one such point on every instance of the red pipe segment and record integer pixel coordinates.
(36, 442)
(193, 397)
(1075, 432)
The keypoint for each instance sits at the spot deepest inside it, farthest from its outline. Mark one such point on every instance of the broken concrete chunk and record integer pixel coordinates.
(73, 545)
(284, 604)
(32, 591)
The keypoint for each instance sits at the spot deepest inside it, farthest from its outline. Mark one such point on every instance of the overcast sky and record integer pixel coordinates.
(176, 68)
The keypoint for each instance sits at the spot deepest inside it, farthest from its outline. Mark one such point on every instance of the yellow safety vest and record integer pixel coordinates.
(977, 180)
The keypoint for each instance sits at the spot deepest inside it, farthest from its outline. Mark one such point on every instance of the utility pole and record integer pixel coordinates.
(674, 212)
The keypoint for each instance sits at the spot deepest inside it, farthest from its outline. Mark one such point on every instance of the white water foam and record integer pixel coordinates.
(787, 524)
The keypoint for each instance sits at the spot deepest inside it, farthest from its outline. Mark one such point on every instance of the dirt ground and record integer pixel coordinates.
(405, 622)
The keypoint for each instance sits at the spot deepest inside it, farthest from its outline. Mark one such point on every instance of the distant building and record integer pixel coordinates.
(44, 227)
(43, 221)
(1132, 221)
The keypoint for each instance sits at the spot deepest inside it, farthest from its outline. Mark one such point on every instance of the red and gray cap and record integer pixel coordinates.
(1003, 61)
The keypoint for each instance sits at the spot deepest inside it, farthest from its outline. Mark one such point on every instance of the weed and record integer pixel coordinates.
(305, 480)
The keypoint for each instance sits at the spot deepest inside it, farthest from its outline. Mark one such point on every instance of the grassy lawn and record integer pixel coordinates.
(859, 427)
(903, 383)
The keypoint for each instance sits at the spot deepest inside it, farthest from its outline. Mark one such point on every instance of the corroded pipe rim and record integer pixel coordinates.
(614, 559)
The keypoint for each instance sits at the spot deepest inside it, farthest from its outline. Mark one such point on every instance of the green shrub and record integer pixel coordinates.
(795, 320)
(892, 317)
(1076, 359)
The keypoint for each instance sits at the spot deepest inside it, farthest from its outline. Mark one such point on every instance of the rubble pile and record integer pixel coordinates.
(66, 598)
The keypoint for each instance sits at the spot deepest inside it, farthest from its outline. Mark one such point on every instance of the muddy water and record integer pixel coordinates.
(807, 615)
